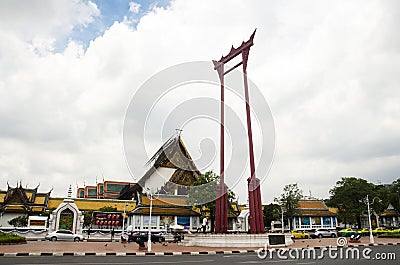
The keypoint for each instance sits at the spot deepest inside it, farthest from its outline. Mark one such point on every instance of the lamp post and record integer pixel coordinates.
(371, 236)
(149, 236)
(123, 219)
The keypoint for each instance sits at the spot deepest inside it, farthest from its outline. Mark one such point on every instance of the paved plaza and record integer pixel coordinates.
(168, 249)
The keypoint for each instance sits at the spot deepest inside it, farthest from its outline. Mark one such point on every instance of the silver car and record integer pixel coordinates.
(64, 235)
(322, 232)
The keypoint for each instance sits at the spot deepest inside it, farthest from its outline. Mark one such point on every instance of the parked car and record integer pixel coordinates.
(380, 230)
(363, 232)
(144, 236)
(300, 234)
(322, 232)
(346, 232)
(66, 235)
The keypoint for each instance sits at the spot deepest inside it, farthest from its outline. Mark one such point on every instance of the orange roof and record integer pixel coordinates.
(165, 201)
(166, 211)
(311, 205)
(316, 213)
(389, 213)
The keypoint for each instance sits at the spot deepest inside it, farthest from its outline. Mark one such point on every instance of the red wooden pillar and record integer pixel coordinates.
(255, 205)
(221, 207)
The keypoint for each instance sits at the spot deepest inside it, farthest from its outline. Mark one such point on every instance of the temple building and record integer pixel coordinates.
(313, 213)
(166, 182)
(390, 217)
(17, 201)
(103, 190)
(171, 171)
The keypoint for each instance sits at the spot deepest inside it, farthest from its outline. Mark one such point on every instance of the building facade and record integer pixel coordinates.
(313, 213)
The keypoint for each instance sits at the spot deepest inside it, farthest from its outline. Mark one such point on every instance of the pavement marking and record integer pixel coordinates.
(304, 263)
(264, 261)
(79, 254)
(120, 254)
(10, 254)
(101, 254)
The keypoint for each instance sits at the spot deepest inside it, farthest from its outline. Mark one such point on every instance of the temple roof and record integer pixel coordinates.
(178, 211)
(313, 208)
(24, 199)
(173, 154)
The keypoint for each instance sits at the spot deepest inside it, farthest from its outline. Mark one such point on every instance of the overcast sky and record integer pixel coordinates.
(329, 70)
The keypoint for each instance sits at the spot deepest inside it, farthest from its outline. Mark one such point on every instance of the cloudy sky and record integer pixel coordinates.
(329, 70)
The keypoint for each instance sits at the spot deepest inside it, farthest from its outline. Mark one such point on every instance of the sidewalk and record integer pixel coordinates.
(48, 248)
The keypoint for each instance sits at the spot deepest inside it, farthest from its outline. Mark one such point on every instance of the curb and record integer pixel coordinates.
(188, 253)
(81, 254)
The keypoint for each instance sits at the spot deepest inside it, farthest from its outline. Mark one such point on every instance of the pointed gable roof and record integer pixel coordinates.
(24, 199)
(16, 195)
(173, 154)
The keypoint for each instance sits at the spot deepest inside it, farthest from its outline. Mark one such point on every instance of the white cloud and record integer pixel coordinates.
(41, 22)
(329, 72)
(134, 7)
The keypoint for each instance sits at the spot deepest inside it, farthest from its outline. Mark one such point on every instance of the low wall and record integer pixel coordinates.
(29, 234)
(232, 240)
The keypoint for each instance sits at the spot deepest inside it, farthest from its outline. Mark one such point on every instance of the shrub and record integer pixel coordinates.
(391, 234)
(11, 238)
(20, 221)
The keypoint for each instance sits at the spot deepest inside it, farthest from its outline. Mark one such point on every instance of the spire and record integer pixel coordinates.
(178, 132)
(69, 191)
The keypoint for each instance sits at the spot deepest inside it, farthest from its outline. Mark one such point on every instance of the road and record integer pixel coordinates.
(391, 253)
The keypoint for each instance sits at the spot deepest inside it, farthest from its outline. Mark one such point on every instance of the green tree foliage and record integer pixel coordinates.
(207, 193)
(289, 200)
(19, 221)
(108, 209)
(348, 196)
(394, 194)
(271, 212)
(87, 219)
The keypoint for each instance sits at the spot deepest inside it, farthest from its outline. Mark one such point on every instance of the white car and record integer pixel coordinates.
(64, 235)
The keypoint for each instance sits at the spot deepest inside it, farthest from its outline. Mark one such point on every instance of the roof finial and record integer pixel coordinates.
(178, 132)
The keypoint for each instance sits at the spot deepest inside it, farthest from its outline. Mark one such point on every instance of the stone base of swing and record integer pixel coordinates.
(237, 240)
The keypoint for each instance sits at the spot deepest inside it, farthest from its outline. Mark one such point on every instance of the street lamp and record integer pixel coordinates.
(371, 236)
(123, 219)
(151, 209)
(149, 236)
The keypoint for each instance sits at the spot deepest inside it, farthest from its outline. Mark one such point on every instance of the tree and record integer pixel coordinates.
(348, 196)
(87, 219)
(19, 221)
(394, 194)
(289, 200)
(207, 194)
(271, 212)
(108, 209)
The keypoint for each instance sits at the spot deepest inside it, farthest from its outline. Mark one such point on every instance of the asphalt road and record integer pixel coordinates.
(372, 255)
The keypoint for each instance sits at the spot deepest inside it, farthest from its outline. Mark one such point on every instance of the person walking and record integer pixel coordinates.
(204, 225)
(112, 234)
